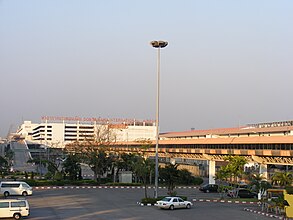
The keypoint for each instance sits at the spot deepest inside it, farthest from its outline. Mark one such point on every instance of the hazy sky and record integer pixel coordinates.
(227, 63)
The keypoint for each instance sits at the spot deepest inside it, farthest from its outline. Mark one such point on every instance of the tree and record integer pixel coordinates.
(94, 150)
(222, 175)
(72, 167)
(142, 168)
(233, 170)
(170, 175)
(123, 162)
(259, 183)
(98, 161)
(3, 166)
(235, 167)
(40, 163)
(282, 179)
(185, 177)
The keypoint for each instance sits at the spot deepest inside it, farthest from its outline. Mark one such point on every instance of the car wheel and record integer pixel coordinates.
(171, 207)
(17, 216)
(6, 194)
(207, 191)
(24, 193)
(188, 206)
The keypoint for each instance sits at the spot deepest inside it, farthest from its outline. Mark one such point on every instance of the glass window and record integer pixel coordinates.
(166, 199)
(12, 185)
(4, 205)
(25, 185)
(18, 204)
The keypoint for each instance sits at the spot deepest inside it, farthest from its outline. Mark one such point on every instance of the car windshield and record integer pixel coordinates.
(166, 199)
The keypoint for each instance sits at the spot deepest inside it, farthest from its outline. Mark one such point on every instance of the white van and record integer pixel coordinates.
(15, 188)
(14, 208)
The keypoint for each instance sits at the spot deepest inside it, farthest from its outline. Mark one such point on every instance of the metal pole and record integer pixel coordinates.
(158, 45)
(157, 125)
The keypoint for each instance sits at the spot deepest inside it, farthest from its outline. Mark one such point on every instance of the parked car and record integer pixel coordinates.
(173, 203)
(209, 188)
(242, 193)
(14, 208)
(15, 188)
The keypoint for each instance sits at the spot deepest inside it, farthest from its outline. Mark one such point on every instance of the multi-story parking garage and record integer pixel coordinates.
(59, 131)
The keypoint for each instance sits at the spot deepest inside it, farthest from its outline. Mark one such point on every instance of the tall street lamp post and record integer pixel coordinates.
(158, 45)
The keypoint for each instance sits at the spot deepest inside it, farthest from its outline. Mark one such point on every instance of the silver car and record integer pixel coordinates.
(173, 203)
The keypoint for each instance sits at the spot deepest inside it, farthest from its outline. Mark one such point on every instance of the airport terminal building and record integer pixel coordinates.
(59, 131)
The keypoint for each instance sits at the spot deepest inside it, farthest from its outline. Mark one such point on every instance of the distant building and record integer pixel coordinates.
(272, 129)
(59, 131)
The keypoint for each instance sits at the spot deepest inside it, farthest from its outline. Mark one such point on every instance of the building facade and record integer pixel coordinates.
(59, 131)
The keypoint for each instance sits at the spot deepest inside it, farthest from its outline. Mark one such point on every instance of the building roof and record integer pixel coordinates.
(234, 140)
(227, 131)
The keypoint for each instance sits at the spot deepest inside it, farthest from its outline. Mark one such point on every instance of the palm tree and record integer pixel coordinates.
(222, 175)
(142, 168)
(282, 179)
(259, 183)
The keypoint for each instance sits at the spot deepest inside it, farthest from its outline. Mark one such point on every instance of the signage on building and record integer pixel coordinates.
(92, 119)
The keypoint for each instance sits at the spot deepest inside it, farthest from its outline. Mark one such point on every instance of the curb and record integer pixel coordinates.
(105, 187)
(88, 187)
(224, 201)
(264, 214)
(148, 204)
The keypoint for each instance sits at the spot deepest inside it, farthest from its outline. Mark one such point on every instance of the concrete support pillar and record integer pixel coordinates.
(263, 169)
(212, 171)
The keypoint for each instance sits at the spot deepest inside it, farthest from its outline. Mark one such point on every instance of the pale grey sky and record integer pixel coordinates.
(227, 63)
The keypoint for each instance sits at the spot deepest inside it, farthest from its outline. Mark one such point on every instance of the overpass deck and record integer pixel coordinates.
(268, 150)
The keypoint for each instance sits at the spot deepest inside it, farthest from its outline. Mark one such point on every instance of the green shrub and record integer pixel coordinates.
(58, 176)
(123, 184)
(105, 180)
(197, 181)
(149, 201)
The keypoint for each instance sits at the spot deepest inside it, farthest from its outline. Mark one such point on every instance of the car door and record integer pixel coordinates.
(181, 203)
(213, 188)
(243, 193)
(176, 203)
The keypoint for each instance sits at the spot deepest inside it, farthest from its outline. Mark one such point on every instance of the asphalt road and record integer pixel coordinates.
(107, 204)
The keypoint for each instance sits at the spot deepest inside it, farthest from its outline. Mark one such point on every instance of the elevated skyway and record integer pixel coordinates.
(262, 150)
(268, 149)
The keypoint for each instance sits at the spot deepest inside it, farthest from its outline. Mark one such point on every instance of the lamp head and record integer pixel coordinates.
(159, 43)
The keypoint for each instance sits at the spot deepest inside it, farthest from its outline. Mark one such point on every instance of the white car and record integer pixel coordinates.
(173, 203)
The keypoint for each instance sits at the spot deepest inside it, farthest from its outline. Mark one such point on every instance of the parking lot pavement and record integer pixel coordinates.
(121, 203)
